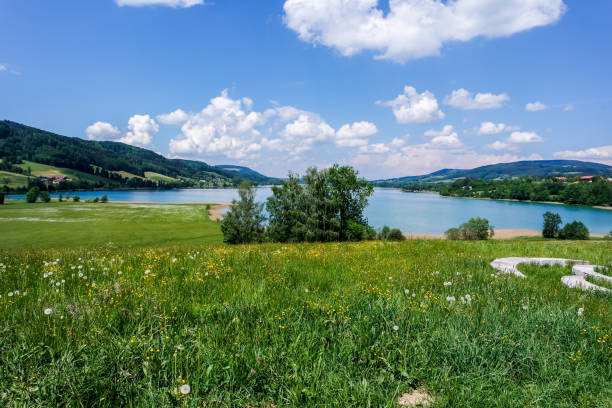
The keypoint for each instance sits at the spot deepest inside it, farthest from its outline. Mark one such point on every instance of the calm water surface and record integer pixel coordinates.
(411, 212)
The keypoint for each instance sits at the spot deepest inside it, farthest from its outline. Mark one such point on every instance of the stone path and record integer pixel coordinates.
(580, 270)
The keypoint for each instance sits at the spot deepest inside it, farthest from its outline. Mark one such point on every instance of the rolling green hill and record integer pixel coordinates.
(533, 168)
(109, 160)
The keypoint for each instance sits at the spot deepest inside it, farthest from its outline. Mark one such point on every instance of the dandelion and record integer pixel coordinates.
(395, 328)
(48, 311)
(10, 294)
(448, 283)
(466, 299)
(406, 291)
(524, 307)
(450, 299)
(180, 347)
(580, 311)
(148, 271)
(119, 273)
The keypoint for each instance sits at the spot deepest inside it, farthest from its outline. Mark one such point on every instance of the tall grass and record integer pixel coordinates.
(302, 325)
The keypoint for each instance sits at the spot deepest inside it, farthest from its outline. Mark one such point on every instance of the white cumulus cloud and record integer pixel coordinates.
(412, 28)
(601, 154)
(142, 128)
(102, 131)
(168, 3)
(355, 135)
(464, 99)
(446, 138)
(178, 117)
(413, 107)
(224, 127)
(490, 128)
(524, 137)
(535, 106)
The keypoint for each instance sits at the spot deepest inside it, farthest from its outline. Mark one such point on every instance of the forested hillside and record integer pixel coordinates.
(118, 163)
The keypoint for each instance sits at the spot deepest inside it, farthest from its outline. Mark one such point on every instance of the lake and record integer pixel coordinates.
(411, 212)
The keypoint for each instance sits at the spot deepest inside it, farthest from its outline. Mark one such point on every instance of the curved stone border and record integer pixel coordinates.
(580, 269)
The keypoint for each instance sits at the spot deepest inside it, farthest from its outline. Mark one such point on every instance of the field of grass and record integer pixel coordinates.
(13, 180)
(157, 177)
(44, 170)
(93, 225)
(299, 325)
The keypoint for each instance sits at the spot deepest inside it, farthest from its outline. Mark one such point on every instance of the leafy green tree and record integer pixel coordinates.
(32, 195)
(287, 211)
(243, 223)
(574, 230)
(351, 194)
(475, 229)
(552, 222)
(76, 198)
(45, 197)
(104, 199)
(61, 198)
(2, 193)
(396, 235)
(323, 223)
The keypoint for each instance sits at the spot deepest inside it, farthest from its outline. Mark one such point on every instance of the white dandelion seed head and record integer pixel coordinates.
(48, 311)
(395, 328)
(448, 283)
(580, 311)
(185, 389)
(10, 294)
(524, 307)
(148, 271)
(406, 291)
(450, 299)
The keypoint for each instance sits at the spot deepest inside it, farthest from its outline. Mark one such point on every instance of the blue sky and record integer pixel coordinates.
(394, 88)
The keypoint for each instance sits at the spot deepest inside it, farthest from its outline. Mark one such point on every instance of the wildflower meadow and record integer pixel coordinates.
(271, 325)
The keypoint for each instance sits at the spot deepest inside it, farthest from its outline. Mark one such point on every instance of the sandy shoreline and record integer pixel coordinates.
(499, 234)
(216, 212)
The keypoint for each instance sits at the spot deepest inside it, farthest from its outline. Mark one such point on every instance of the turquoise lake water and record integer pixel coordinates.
(411, 212)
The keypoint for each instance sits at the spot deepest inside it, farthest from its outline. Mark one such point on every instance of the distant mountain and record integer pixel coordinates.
(243, 171)
(115, 161)
(533, 168)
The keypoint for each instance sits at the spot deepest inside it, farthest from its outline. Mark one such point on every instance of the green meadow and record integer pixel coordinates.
(166, 315)
(93, 225)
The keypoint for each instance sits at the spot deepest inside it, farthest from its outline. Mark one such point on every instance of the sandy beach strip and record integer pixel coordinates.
(499, 234)
(216, 212)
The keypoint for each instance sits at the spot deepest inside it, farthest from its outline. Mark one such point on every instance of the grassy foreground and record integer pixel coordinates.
(301, 325)
(69, 225)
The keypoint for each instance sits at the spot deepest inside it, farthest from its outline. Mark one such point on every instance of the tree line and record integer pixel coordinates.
(570, 191)
(322, 206)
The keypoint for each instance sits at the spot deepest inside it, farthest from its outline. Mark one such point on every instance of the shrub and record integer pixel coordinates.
(32, 195)
(383, 235)
(574, 230)
(243, 223)
(45, 197)
(95, 200)
(552, 221)
(60, 198)
(475, 229)
(396, 235)
(2, 193)
(104, 199)
(76, 198)
(453, 234)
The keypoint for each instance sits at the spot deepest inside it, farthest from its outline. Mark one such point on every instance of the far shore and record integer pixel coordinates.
(599, 207)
